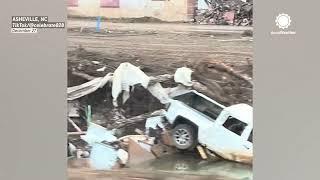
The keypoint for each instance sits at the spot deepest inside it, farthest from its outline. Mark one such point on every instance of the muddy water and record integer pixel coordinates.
(173, 167)
(191, 164)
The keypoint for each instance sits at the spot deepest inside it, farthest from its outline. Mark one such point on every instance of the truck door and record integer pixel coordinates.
(226, 135)
(247, 138)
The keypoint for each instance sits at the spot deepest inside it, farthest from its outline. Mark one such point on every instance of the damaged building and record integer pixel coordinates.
(174, 10)
(225, 12)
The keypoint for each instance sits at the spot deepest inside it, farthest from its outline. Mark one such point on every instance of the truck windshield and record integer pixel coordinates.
(201, 104)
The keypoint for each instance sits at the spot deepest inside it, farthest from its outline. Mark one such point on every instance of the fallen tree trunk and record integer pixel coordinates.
(229, 70)
(74, 125)
(83, 75)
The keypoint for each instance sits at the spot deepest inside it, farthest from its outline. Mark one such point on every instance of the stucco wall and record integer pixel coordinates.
(167, 10)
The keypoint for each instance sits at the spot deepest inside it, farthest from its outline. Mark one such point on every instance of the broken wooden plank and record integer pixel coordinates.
(139, 131)
(201, 152)
(74, 125)
(76, 133)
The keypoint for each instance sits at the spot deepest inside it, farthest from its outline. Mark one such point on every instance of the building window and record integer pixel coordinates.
(73, 3)
(109, 3)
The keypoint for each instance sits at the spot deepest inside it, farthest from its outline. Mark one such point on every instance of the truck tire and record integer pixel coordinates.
(184, 137)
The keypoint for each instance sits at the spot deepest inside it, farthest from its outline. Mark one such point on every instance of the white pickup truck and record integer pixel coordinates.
(197, 119)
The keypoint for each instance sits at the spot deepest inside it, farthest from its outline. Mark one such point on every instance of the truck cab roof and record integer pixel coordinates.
(197, 93)
(243, 112)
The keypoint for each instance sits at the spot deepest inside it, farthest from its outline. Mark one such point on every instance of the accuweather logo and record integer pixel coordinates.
(283, 21)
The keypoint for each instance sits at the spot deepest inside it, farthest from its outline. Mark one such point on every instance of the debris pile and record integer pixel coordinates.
(104, 151)
(107, 148)
(226, 12)
(226, 84)
(222, 82)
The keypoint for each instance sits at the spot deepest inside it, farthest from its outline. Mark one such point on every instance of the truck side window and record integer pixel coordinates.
(186, 98)
(250, 137)
(200, 104)
(234, 125)
(206, 107)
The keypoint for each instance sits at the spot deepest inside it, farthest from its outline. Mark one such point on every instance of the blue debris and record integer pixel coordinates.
(103, 157)
(98, 134)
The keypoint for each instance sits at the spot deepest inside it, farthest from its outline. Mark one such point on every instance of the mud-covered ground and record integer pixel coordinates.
(159, 49)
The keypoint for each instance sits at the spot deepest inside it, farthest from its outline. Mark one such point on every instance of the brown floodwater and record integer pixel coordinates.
(176, 166)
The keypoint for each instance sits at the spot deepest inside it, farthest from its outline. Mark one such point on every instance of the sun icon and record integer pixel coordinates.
(283, 21)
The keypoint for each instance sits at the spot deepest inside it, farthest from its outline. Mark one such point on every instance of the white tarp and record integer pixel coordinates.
(183, 76)
(159, 92)
(76, 92)
(127, 75)
(154, 123)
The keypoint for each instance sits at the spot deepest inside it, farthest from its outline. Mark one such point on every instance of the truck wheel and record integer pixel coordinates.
(184, 137)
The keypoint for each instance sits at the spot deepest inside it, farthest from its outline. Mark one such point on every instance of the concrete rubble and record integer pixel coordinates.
(105, 150)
